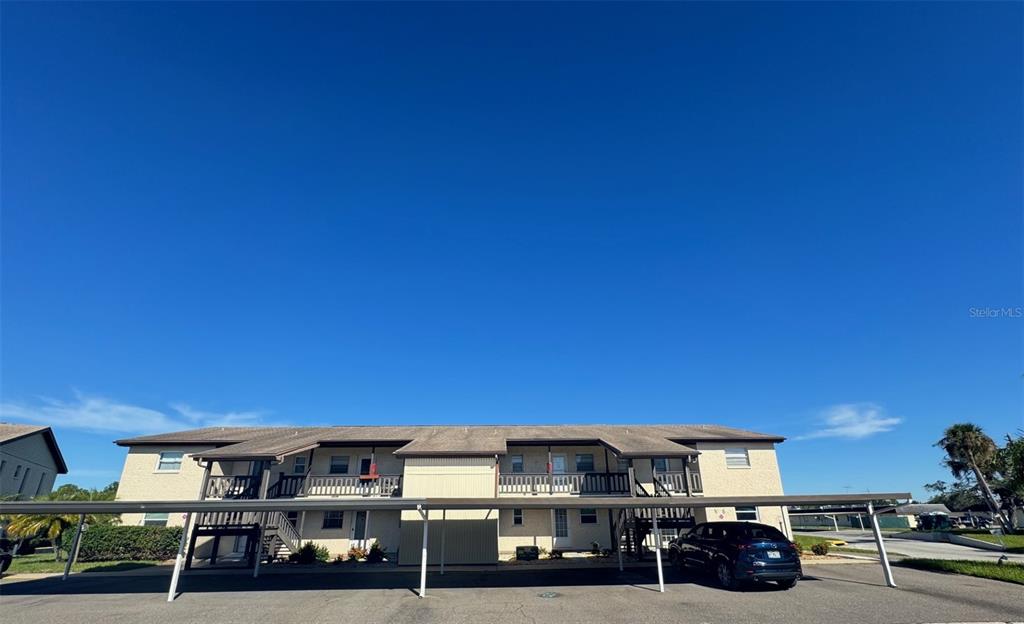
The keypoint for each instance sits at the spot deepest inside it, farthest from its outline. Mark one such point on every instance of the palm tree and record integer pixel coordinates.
(970, 450)
(53, 526)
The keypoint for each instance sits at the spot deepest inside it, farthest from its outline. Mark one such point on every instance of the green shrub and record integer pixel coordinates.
(107, 542)
(311, 552)
(376, 554)
(820, 549)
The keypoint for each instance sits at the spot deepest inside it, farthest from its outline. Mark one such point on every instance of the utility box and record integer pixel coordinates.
(527, 553)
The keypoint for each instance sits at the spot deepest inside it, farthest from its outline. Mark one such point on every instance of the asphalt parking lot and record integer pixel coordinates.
(836, 594)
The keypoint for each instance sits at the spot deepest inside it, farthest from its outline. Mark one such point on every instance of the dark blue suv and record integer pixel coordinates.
(738, 552)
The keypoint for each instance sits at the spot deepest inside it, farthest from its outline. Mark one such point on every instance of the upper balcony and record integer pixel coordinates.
(302, 486)
(674, 483)
(571, 483)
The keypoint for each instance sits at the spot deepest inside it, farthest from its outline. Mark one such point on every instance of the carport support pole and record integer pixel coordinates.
(657, 551)
(618, 542)
(178, 560)
(444, 532)
(74, 547)
(881, 546)
(423, 557)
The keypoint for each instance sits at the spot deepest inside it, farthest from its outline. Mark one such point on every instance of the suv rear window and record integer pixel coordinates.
(761, 532)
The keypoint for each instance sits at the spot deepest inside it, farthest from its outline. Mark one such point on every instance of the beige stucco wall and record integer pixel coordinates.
(535, 458)
(762, 478)
(382, 526)
(37, 467)
(536, 530)
(140, 480)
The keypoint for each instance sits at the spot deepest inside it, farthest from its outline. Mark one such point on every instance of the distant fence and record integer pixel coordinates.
(847, 521)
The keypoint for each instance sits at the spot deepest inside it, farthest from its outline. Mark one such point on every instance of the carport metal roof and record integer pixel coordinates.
(423, 505)
(373, 504)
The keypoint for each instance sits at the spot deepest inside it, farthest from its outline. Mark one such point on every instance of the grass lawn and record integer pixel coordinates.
(1009, 572)
(44, 563)
(1014, 543)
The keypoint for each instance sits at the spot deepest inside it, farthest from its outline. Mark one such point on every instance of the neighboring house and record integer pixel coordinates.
(484, 462)
(30, 460)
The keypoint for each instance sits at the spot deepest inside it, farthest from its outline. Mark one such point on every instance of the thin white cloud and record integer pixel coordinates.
(99, 414)
(852, 421)
(215, 419)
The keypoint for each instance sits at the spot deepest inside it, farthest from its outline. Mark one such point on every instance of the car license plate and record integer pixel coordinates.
(774, 554)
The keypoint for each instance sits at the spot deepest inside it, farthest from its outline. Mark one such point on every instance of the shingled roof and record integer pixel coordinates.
(277, 442)
(9, 432)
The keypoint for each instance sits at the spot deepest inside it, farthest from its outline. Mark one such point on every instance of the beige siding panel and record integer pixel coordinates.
(470, 538)
(475, 531)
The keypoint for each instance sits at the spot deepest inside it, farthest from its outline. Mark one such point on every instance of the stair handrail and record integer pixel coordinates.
(285, 530)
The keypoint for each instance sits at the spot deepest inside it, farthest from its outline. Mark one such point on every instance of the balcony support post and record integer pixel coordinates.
(551, 476)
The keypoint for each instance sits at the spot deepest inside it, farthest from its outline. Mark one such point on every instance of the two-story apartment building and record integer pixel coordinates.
(30, 460)
(448, 462)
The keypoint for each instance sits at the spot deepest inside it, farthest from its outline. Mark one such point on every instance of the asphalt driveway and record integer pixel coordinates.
(837, 594)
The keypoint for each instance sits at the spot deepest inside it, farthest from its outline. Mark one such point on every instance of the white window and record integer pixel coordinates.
(154, 519)
(299, 466)
(339, 464)
(170, 461)
(584, 462)
(588, 516)
(737, 458)
(333, 519)
(517, 463)
(746, 514)
(517, 517)
(661, 464)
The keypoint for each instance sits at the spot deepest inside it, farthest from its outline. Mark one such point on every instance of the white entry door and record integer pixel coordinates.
(561, 528)
(558, 464)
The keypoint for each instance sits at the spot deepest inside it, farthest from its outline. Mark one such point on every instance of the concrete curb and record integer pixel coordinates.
(949, 538)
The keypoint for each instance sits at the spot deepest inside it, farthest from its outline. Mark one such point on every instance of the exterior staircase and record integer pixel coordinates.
(635, 527)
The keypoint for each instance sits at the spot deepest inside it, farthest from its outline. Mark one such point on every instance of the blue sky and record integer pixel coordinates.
(768, 216)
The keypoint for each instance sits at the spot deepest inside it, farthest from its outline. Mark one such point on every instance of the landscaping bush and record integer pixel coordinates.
(106, 542)
(820, 549)
(356, 553)
(338, 560)
(376, 554)
(799, 549)
(311, 552)
(555, 554)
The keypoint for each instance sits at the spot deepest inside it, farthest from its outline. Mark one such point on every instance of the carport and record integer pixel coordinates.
(189, 508)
